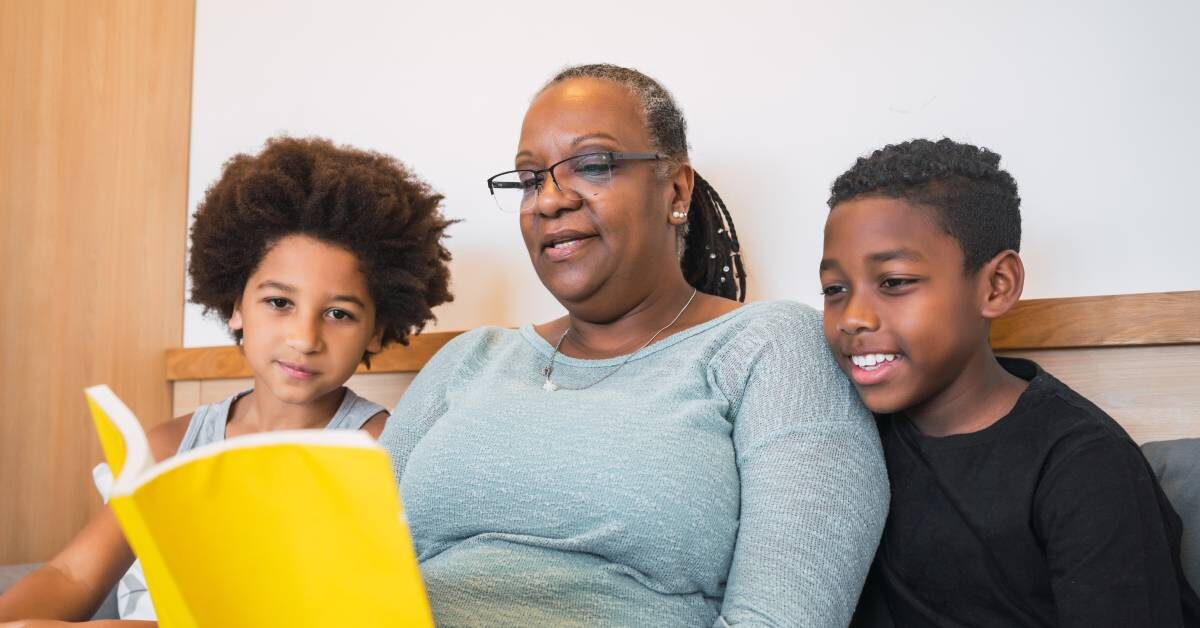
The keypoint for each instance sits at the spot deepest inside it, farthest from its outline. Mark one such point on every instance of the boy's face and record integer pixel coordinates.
(901, 315)
(306, 318)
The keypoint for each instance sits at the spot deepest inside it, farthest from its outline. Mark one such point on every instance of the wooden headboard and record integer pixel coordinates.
(1137, 356)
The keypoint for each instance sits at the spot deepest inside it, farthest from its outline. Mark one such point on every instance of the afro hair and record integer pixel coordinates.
(364, 202)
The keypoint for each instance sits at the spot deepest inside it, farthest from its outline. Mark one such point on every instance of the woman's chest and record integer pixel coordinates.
(645, 478)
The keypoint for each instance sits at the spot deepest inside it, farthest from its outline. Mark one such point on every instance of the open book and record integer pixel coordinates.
(292, 528)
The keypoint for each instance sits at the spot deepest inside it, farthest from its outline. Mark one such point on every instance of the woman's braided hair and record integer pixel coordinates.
(710, 255)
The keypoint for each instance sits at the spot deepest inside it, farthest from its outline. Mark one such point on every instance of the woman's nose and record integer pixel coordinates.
(551, 200)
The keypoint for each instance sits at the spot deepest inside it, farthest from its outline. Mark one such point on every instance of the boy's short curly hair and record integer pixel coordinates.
(365, 202)
(972, 199)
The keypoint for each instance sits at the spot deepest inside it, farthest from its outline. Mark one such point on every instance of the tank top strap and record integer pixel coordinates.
(353, 413)
(207, 424)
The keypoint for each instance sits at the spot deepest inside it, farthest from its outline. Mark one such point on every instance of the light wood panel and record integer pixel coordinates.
(1104, 321)
(198, 363)
(94, 118)
(1135, 356)
(384, 389)
(1151, 391)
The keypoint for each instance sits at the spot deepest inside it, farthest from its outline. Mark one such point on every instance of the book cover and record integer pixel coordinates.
(291, 528)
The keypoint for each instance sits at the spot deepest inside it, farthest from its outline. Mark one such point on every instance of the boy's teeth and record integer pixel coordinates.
(871, 360)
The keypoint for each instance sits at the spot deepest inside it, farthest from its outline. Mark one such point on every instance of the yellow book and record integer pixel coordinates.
(294, 528)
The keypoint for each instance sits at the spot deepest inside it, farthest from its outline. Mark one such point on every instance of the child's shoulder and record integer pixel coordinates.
(165, 437)
(1074, 432)
(1064, 413)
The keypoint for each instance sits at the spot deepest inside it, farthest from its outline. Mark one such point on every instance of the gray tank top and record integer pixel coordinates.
(208, 421)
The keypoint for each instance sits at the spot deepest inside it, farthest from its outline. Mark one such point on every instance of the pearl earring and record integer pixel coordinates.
(678, 215)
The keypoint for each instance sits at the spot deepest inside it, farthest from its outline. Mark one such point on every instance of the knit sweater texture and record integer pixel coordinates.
(725, 475)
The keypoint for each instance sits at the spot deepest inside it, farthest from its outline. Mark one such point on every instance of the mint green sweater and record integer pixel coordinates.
(727, 474)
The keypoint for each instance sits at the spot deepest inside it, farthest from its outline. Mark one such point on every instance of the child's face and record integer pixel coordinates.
(306, 318)
(901, 315)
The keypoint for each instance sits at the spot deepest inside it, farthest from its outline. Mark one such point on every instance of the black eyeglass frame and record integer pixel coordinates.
(539, 174)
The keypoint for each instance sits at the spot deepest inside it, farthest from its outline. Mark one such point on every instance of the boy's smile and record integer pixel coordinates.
(901, 312)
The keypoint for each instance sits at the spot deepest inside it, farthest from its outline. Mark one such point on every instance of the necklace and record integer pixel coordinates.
(550, 386)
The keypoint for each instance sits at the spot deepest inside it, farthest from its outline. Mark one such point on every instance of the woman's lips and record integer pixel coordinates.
(566, 249)
(295, 371)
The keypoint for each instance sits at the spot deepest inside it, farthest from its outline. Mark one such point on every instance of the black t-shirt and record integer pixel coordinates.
(1049, 517)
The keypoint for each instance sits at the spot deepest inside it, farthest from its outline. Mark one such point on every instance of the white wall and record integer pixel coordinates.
(1094, 108)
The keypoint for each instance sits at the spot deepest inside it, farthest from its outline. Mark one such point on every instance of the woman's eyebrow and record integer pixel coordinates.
(587, 137)
(599, 135)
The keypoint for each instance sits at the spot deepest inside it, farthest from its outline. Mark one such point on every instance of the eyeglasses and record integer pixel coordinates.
(577, 178)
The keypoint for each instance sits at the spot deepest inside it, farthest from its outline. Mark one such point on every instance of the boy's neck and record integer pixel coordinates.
(259, 412)
(983, 393)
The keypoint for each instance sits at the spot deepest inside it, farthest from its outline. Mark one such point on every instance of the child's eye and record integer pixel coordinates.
(833, 290)
(893, 283)
(278, 303)
(340, 315)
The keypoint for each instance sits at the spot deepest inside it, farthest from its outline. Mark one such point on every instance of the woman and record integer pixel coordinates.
(661, 455)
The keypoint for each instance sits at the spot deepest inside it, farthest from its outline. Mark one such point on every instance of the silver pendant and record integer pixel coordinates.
(549, 386)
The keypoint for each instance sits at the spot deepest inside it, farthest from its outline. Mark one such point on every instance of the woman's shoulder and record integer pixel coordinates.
(783, 337)
(778, 322)
(471, 347)
(476, 340)
(783, 312)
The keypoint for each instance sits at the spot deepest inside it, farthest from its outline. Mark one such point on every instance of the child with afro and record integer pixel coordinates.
(317, 256)
(1015, 501)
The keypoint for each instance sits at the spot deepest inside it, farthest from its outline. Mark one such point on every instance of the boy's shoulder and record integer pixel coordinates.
(1050, 425)
(1057, 413)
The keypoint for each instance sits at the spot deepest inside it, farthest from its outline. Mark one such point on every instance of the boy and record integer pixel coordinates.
(1015, 501)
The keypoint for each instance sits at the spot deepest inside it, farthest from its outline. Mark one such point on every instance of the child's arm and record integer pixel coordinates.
(72, 585)
(100, 623)
(1108, 540)
(374, 425)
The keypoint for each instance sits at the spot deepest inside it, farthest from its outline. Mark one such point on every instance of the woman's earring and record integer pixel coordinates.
(679, 215)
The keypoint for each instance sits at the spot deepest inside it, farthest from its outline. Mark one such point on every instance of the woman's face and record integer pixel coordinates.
(620, 242)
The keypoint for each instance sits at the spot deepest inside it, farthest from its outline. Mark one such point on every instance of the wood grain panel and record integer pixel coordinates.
(1150, 391)
(94, 119)
(227, 362)
(384, 389)
(1121, 320)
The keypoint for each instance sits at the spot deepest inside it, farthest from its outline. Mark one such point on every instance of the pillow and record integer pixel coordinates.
(10, 574)
(1177, 465)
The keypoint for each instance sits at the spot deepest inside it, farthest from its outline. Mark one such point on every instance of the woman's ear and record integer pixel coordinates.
(1002, 279)
(682, 184)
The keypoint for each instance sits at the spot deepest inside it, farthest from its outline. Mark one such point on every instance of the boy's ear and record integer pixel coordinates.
(1002, 279)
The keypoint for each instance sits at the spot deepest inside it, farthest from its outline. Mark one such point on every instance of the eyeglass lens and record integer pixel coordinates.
(577, 178)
